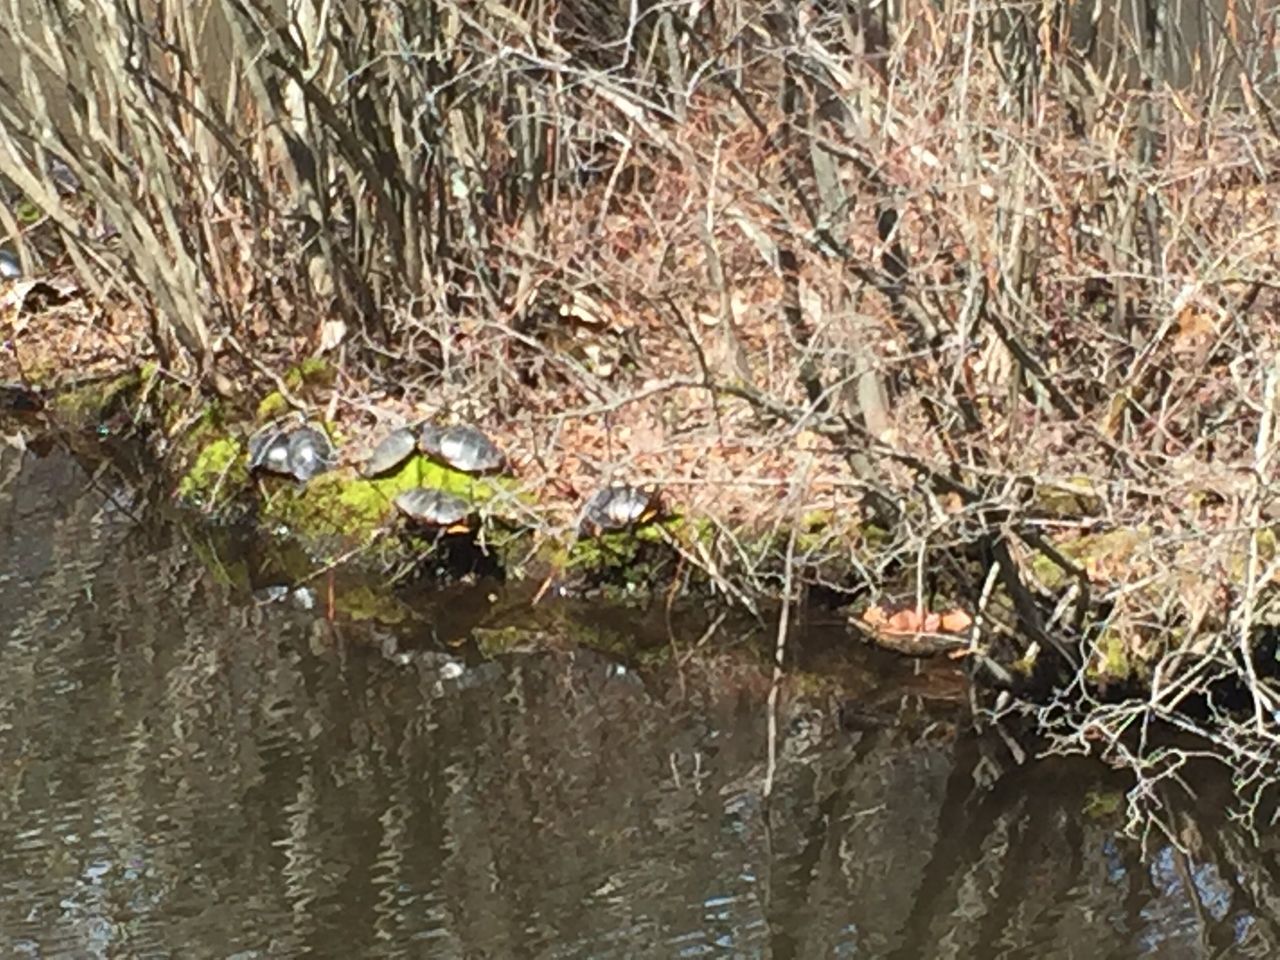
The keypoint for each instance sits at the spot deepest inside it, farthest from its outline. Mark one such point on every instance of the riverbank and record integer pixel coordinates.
(960, 327)
(752, 506)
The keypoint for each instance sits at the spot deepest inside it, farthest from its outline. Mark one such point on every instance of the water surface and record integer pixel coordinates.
(199, 762)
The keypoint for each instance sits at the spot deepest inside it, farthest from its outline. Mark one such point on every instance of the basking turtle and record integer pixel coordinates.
(394, 449)
(310, 453)
(269, 450)
(10, 268)
(301, 452)
(464, 448)
(619, 506)
(435, 508)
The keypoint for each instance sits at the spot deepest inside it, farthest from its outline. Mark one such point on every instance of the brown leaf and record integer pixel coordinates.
(955, 621)
(905, 621)
(874, 616)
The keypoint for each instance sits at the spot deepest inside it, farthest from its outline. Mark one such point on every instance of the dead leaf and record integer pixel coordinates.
(905, 621)
(955, 621)
(332, 333)
(910, 620)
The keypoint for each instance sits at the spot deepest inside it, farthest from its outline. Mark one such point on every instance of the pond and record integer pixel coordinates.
(204, 763)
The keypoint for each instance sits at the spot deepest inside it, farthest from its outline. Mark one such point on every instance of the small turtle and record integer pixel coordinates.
(619, 506)
(310, 453)
(434, 508)
(394, 449)
(464, 448)
(301, 452)
(269, 450)
(10, 268)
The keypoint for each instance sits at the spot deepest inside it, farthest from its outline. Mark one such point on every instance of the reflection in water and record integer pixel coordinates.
(190, 773)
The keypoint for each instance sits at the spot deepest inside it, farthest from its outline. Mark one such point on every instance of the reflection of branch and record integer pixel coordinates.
(779, 652)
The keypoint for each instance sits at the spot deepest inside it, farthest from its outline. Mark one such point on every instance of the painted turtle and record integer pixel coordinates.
(619, 506)
(394, 449)
(464, 448)
(434, 508)
(269, 449)
(310, 453)
(10, 268)
(301, 452)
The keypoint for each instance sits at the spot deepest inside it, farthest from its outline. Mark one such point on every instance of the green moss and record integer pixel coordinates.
(495, 641)
(1112, 660)
(1026, 664)
(657, 531)
(337, 504)
(1101, 550)
(87, 403)
(364, 602)
(1073, 497)
(623, 562)
(313, 371)
(815, 531)
(607, 550)
(273, 405)
(874, 537)
(815, 520)
(1102, 804)
(218, 462)
(694, 530)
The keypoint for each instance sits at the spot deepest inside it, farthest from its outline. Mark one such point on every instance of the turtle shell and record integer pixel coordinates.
(619, 507)
(10, 268)
(310, 453)
(433, 507)
(269, 450)
(464, 448)
(394, 449)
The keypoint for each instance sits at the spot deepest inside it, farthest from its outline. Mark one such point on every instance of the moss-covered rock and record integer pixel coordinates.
(89, 404)
(1113, 659)
(1073, 497)
(367, 602)
(216, 473)
(273, 405)
(313, 371)
(1100, 554)
(340, 504)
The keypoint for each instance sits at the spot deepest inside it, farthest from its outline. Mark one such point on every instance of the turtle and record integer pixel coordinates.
(269, 450)
(619, 506)
(463, 448)
(435, 508)
(394, 449)
(310, 452)
(301, 452)
(10, 268)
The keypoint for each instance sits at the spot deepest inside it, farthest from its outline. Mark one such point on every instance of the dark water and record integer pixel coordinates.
(191, 768)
